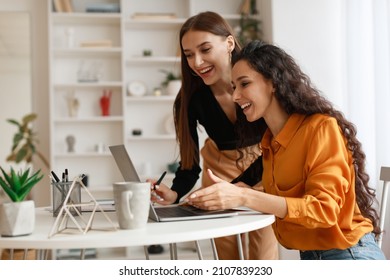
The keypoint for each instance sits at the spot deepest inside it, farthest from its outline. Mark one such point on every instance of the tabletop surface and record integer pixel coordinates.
(104, 235)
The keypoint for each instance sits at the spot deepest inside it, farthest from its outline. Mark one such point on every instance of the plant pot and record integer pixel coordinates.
(173, 87)
(17, 218)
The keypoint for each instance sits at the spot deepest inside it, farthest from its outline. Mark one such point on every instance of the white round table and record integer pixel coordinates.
(103, 235)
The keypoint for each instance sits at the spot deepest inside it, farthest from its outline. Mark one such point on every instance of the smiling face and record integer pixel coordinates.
(252, 92)
(208, 55)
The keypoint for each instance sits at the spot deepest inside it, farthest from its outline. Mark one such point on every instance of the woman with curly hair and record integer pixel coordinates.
(207, 45)
(314, 166)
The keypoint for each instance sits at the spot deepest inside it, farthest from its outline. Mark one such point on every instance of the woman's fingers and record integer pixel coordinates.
(213, 177)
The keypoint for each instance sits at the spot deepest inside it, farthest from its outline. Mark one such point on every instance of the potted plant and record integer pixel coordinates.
(172, 82)
(249, 27)
(18, 216)
(25, 141)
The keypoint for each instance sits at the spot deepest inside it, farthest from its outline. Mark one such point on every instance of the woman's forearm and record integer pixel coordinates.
(265, 203)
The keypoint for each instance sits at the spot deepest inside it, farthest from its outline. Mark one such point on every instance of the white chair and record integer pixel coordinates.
(385, 177)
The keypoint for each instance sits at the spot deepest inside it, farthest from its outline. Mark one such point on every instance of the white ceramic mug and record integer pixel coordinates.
(132, 200)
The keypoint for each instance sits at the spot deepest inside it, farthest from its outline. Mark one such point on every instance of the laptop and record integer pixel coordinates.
(174, 212)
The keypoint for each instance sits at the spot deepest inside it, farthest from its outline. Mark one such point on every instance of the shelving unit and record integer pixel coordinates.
(116, 65)
(69, 62)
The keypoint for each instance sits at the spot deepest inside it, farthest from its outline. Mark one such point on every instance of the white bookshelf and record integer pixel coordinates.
(120, 63)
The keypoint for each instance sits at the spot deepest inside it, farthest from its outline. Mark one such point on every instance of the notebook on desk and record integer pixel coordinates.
(175, 212)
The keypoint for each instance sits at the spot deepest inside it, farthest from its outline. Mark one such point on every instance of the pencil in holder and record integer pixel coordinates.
(60, 196)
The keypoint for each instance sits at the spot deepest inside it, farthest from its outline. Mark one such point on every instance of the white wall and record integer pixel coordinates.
(15, 74)
(39, 89)
(316, 33)
(312, 32)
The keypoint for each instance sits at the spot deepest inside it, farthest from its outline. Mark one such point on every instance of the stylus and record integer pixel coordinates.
(160, 179)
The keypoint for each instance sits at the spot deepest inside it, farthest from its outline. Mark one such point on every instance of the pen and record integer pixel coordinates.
(160, 179)
(55, 176)
(66, 175)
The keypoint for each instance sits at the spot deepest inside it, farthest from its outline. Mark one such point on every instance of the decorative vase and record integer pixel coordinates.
(73, 106)
(105, 102)
(17, 218)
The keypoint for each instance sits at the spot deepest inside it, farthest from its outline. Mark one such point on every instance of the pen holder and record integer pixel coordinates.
(60, 192)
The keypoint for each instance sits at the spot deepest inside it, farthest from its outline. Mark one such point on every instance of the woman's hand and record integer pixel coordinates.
(161, 194)
(220, 195)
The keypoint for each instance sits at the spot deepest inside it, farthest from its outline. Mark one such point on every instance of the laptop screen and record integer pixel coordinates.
(124, 163)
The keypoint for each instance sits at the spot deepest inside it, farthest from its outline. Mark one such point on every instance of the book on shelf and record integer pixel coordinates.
(63, 6)
(96, 44)
(245, 7)
(102, 8)
(58, 6)
(154, 16)
(68, 7)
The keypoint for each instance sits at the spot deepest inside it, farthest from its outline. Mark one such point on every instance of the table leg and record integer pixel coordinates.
(173, 251)
(25, 254)
(46, 254)
(43, 254)
(146, 252)
(198, 250)
(215, 253)
(82, 254)
(239, 244)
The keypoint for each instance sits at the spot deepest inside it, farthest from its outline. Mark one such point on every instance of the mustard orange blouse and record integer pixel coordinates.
(309, 164)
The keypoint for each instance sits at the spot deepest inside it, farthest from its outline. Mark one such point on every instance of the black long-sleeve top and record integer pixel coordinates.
(204, 109)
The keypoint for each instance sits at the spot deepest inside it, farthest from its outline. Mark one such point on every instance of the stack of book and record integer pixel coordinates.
(102, 8)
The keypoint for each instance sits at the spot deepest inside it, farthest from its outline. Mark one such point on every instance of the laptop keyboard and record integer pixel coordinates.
(184, 211)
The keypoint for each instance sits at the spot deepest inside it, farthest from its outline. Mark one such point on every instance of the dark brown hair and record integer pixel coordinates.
(209, 22)
(296, 94)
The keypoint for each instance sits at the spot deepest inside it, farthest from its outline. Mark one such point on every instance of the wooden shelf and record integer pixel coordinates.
(80, 51)
(85, 154)
(156, 137)
(152, 60)
(151, 98)
(86, 18)
(90, 119)
(103, 84)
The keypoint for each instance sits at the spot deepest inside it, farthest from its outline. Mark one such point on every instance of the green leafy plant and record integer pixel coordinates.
(250, 25)
(249, 29)
(24, 141)
(17, 185)
(169, 76)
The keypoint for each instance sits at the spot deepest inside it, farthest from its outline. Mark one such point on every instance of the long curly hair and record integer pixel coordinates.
(296, 94)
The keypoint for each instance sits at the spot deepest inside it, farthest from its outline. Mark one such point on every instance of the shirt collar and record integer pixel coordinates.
(286, 134)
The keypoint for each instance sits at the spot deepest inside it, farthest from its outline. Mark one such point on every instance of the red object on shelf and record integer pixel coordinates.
(105, 102)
